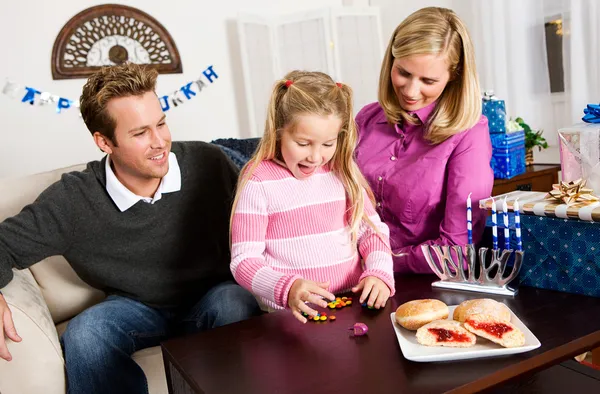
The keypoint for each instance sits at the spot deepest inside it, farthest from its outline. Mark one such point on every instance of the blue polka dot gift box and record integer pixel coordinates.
(561, 242)
(508, 154)
(494, 110)
(561, 254)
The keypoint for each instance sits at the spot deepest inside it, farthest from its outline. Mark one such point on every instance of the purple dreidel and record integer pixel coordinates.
(359, 329)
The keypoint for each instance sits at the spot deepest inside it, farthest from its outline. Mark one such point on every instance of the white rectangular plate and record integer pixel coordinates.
(414, 351)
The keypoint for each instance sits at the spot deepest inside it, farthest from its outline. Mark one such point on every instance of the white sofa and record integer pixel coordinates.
(42, 300)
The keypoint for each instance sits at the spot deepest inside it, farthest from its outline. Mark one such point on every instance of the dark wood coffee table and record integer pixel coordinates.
(275, 353)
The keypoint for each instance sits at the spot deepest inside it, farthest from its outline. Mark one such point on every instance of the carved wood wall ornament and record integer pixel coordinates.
(112, 34)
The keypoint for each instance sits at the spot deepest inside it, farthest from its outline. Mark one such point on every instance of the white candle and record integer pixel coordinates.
(506, 232)
(469, 221)
(494, 225)
(518, 225)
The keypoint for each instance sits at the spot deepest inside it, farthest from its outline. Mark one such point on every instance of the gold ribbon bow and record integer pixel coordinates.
(569, 193)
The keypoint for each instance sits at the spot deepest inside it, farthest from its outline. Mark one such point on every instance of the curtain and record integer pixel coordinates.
(581, 59)
(510, 49)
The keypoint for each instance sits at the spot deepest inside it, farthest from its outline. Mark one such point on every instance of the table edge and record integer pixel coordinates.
(532, 365)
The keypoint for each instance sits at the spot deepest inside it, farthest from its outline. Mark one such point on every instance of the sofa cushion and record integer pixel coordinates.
(18, 192)
(239, 150)
(37, 365)
(65, 293)
(151, 362)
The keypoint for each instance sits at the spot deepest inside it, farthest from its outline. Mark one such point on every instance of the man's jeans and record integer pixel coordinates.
(99, 342)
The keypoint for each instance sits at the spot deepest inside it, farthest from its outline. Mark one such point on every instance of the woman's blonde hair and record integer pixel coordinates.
(314, 93)
(435, 31)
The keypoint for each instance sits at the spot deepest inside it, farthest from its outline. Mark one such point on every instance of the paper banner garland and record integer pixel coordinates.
(32, 96)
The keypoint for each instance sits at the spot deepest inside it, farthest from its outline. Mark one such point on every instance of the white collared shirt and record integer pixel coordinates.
(125, 198)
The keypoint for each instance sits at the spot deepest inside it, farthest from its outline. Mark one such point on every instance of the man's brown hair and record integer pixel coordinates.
(128, 79)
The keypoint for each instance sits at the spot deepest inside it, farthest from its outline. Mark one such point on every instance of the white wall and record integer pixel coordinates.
(395, 11)
(36, 139)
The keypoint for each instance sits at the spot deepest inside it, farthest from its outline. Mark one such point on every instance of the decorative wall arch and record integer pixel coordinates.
(111, 34)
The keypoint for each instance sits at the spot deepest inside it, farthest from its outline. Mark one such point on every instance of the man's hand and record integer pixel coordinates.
(7, 327)
(375, 289)
(303, 291)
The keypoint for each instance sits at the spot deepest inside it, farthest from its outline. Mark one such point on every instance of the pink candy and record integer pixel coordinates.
(359, 329)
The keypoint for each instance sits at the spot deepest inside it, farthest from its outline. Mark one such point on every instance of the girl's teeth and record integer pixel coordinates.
(157, 157)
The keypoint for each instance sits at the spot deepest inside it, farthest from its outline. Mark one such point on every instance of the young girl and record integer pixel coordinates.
(303, 216)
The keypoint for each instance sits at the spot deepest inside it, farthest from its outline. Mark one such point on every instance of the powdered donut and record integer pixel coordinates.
(485, 306)
(414, 314)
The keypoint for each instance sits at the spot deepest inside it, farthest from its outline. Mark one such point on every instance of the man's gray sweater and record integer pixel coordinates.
(161, 254)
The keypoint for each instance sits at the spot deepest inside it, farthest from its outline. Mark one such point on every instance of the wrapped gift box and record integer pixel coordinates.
(508, 154)
(562, 251)
(534, 203)
(561, 254)
(580, 153)
(495, 110)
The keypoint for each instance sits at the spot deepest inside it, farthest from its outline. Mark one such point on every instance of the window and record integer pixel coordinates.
(344, 42)
(554, 52)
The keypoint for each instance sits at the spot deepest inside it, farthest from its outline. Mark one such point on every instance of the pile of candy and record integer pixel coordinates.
(340, 302)
(322, 316)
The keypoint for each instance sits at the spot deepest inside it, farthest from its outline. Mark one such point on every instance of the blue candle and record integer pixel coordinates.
(506, 232)
(518, 225)
(494, 225)
(469, 221)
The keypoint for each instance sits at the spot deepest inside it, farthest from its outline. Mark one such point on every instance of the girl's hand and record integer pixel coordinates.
(303, 291)
(375, 289)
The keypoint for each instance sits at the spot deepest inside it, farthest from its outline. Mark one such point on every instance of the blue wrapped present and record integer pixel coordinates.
(508, 154)
(495, 110)
(561, 254)
(504, 141)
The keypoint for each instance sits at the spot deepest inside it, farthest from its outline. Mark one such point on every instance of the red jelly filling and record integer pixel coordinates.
(495, 329)
(443, 335)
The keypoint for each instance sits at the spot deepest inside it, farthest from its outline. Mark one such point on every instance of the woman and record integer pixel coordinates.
(424, 146)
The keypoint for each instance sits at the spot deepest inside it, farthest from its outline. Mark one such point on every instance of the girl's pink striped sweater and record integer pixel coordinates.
(284, 229)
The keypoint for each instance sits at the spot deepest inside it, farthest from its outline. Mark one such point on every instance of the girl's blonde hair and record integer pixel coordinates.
(435, 31)
(314, 93)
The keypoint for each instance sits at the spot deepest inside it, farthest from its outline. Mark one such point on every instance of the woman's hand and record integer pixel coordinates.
(303, 291)
(375, 289)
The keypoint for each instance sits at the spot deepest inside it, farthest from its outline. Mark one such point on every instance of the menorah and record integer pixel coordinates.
(480, 276)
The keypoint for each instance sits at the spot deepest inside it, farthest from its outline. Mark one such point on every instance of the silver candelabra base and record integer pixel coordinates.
(478, 276)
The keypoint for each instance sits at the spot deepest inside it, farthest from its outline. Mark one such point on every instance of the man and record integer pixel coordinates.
(148, 224)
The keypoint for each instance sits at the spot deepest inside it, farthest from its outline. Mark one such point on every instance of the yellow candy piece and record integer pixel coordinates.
(316, 318)
(348, 303)
(323, 317)
(344, 298)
